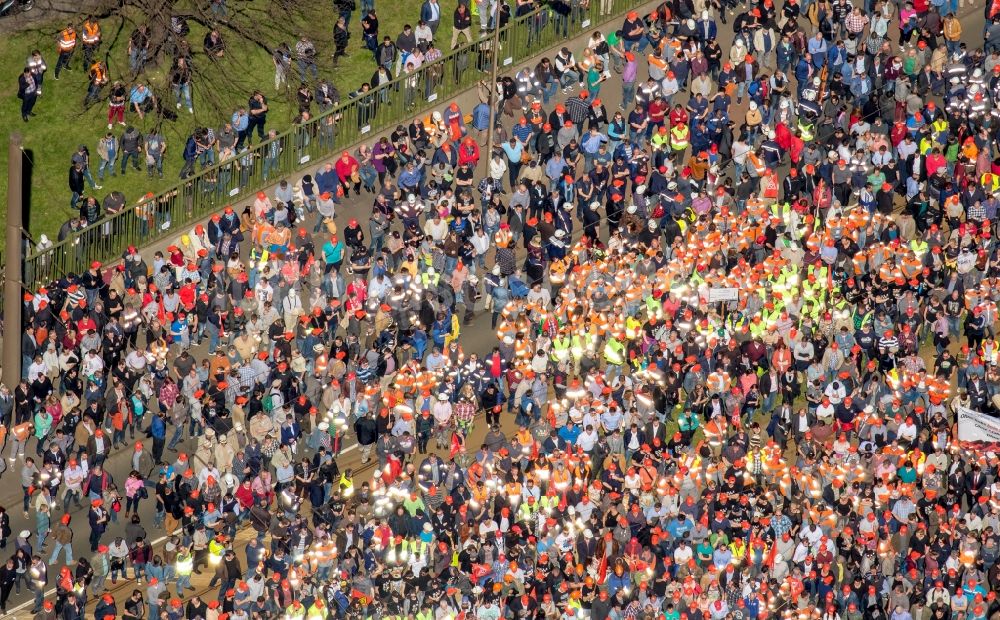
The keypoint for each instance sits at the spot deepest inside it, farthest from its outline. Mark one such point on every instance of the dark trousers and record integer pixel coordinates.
(63, 62)
(158, 443)
(28, 104)
(258, 122)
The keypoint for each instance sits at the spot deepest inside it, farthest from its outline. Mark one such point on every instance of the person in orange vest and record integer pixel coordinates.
(91, 39)
(98, 78)
(66, 44)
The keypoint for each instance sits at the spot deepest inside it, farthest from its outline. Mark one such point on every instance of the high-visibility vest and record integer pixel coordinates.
(295, 610)
(679, 137)
(805, 131)
(770, 187)
(315, 613)
(346, 485)
(614, 352)
(560, 348)
(215, 551)
(757, 163)
(184, 564)
(67, 40)
(97, 73)
(91, 33)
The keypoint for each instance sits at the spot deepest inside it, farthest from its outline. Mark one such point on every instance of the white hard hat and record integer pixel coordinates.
(411, 199)
(560, 233)
(631, 209)
(753, 105)
(640, 189)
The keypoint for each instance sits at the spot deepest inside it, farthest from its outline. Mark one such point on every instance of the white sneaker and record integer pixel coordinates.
(178, 106)
(110, 125)
(190, 110)
(98, 187)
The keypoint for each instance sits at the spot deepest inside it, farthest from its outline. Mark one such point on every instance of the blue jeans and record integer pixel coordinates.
(628, 95)
(108, 165)
(182, 95)
(126, 156)
(178, 435)
(89, 178)
(569, 78)
(548, 89)
(638, 46)
(58, 548)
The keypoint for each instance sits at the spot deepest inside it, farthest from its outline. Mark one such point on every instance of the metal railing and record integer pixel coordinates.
(340, 128)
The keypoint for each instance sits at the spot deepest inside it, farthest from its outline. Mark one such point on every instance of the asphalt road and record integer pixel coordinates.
(477, 337)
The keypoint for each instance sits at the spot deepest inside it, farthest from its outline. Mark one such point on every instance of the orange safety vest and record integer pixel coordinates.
(67, 40)
(770, 190)
(91, 33)
(97, 73)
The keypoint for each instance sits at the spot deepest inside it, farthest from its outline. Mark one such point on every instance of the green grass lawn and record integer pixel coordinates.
(62, 124)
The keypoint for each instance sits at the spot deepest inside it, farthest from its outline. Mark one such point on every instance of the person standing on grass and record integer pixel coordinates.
(91, 35)
(82, 157)
(98, 75)
(107, 151)
(341, 38)
(38, 68)
(138, 49)
(462, 23)
(131, 143)
(282, 58)
(27, 92)
(240, 120)
(116, 104)
(305, 58)
(180, 82)
(257, 108)
(76, 185)
(156, 146)
(66, 43)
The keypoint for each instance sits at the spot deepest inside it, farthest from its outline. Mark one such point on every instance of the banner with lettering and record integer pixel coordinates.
(978, 430)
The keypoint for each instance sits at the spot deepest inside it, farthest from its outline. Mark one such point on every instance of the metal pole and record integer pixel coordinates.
(494, 65)
(12, 283)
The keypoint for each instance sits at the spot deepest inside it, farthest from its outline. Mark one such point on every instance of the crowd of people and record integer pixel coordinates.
(131, 97)
(727, 345)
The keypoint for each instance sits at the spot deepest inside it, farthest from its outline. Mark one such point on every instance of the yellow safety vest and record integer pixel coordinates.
(614, 352)
(184, 564)
(215, 551)
(679, 137)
